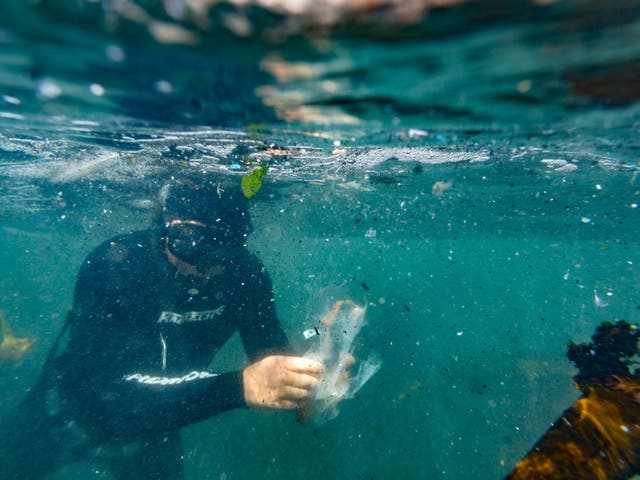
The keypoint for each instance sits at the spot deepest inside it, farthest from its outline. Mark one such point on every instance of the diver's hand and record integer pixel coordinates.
(345, 376)
(280, 382)
(349, 361)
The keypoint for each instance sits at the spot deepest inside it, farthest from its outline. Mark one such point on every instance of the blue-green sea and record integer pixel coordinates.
(472, 178)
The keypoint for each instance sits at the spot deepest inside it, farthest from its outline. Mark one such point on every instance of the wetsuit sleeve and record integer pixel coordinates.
(261, 332)
(113, 369)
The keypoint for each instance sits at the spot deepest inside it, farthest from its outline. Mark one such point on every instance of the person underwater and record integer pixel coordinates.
(151, 309)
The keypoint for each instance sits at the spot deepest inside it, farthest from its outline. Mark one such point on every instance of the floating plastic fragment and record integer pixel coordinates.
(47, 89)
(440, 187)
(336, 334)
(598, 301)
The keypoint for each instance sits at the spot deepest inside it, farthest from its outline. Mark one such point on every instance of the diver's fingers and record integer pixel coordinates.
(286, 404)
(297, 395)
(291, 398)
(301, 381)
(349, 360)
(304, 365)
(271, 384)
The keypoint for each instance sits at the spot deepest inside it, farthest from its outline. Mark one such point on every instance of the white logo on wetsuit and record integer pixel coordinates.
(150, 380)
(179, 318)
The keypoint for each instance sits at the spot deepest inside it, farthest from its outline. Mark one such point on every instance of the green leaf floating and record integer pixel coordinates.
(252, 182)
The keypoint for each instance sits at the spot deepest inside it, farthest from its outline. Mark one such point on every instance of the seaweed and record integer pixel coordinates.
(251, 183)
(598, 436)
(609, 354)
(11, 347)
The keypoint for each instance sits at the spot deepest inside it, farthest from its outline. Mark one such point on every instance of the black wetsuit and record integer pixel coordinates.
(135, 368)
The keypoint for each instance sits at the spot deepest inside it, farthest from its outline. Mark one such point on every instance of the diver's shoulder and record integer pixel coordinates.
(253, 272)
(250, 260)
(121, 248)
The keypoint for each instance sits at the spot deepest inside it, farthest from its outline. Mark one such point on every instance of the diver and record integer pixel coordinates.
(150, 310)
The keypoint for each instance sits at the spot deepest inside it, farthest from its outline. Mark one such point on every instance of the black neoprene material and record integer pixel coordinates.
(142, 336)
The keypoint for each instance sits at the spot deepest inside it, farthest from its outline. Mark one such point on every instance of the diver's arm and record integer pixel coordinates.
(125, 396)
(157, 402)
(277, 379)
(259, 327)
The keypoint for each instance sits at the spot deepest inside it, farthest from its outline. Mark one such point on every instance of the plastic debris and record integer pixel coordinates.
(337, 333)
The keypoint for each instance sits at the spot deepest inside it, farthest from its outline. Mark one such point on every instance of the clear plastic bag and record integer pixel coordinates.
(336, 334)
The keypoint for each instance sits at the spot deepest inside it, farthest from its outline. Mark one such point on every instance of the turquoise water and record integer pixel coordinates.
(473, 179)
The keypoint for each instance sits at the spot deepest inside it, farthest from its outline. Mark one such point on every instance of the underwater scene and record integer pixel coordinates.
(463, 176)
